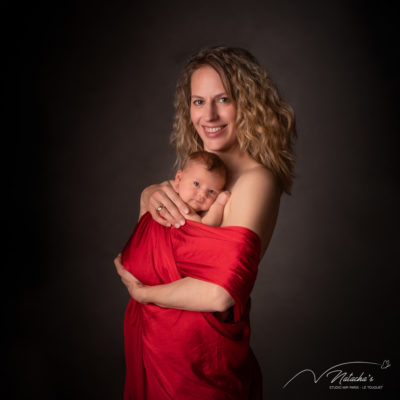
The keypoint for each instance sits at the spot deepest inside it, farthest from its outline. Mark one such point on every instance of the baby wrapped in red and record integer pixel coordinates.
(178, 355)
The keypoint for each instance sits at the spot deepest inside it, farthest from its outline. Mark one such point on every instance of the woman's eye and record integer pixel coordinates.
(195, 183)
(198, 102)
(223, 99)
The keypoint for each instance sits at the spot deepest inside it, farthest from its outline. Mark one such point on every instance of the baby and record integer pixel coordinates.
(200, 185)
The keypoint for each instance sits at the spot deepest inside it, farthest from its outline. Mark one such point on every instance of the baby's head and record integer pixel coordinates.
(201, 179)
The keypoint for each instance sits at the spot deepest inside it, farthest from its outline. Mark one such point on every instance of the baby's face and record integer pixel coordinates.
(198, 187)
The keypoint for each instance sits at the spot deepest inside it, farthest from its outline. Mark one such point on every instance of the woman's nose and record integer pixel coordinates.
(211, 112)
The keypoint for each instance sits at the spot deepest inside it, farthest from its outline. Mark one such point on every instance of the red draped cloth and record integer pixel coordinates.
(186, 355)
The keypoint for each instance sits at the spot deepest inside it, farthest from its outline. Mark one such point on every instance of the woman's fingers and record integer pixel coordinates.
(158, 215)
(129, 280)
(122, 272)
(166, 206)
(166, 210)
(117, 262)
(134, 286)
(174, 196)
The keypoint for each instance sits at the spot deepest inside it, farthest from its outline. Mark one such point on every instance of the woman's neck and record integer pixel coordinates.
(236, 162)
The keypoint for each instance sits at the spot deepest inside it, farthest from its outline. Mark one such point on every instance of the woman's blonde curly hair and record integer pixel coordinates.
(265, 124)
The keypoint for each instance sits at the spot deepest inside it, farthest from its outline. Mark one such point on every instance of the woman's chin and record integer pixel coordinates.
(219, 147)
(214, 146)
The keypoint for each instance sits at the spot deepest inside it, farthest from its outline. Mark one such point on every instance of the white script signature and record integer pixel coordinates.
(343, 376)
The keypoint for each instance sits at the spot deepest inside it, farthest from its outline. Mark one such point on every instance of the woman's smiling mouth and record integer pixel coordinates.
(212, 131)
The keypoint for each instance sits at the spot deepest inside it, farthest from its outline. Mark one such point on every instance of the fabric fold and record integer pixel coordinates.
(177, 354)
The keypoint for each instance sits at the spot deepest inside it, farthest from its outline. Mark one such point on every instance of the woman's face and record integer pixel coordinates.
(212, 111)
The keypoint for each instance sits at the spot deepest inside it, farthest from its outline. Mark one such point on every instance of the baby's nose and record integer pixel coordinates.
(201, 195)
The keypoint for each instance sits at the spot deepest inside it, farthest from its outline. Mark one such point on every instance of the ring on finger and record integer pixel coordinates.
(159, 208)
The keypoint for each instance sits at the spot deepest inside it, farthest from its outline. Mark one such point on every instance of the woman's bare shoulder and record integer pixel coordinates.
(256, 178)
(254, 202)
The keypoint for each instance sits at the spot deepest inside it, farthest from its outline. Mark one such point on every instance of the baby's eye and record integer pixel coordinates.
(211, 191)
(195, 183)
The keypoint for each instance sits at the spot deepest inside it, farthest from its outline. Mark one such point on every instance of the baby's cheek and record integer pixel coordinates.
(210, 202)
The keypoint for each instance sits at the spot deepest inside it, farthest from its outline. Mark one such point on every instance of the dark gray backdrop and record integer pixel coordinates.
(97, 85)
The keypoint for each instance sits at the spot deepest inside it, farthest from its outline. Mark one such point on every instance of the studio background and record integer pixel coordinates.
(97, 85)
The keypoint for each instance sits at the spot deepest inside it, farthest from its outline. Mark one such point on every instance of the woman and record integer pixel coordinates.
(226, 104)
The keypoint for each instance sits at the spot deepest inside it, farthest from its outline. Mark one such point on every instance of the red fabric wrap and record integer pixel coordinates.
(176, 354)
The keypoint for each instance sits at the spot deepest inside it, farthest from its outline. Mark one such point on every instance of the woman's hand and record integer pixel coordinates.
(164, 204)
(183, 294)
(135, 288)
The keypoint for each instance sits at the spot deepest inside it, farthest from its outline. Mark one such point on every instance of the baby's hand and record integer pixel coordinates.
(223, 198)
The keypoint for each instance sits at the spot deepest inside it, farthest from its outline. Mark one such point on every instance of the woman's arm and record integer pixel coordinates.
(254, 204)
(184, 294)
(188, 294)
(173, 207)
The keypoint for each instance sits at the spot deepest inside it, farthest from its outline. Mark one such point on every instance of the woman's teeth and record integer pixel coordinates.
(212, 130)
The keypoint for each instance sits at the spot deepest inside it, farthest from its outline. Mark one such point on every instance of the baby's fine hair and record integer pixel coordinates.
(210, 160)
